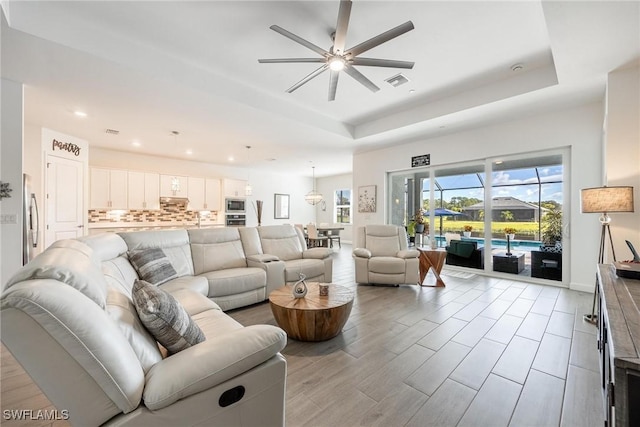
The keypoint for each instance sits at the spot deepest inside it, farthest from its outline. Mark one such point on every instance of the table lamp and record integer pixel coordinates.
(605, 200)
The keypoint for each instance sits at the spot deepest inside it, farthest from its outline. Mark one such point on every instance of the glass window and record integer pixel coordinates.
(515, 226)
(342, 202)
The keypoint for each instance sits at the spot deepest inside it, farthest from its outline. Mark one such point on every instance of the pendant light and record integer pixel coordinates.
(313, 197)
(248, 191)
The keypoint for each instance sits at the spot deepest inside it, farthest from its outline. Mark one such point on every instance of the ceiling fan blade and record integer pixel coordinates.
(300, 40)
(287, 60)
(333, 84)
(341, 27)
(372, 62)
(381, 38)
(308, 77)
(361, 78)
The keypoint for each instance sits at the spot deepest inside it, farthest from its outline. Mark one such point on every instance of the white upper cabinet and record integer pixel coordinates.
(212, 199)
(204, 194)
(144, 190)
(196, 194)
(174, 186)
(108, 189)
(234, 188)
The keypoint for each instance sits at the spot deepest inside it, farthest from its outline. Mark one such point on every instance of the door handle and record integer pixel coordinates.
(81, 226)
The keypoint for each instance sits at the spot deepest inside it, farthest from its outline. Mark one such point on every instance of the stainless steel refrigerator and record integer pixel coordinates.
(29, 220)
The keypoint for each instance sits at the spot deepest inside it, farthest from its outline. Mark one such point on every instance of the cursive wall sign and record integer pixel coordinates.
(65, 146)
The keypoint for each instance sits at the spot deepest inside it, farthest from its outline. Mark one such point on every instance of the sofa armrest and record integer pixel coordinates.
(316, 253)
(408, 253)
(262, 258)
(210, 363)
(362, 253)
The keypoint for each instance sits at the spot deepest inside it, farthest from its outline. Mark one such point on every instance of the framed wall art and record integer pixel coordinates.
(367, 198)
(281, 206)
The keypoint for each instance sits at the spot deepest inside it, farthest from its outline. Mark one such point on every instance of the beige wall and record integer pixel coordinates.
(579, 128)
(622, 151)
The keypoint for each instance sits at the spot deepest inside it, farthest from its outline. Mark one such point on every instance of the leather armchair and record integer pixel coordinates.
(382, 256)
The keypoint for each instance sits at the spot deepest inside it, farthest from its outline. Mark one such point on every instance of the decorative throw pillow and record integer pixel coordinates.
(152, 265)
(165, 318)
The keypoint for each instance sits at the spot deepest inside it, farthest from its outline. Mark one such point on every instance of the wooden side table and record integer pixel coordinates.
(434, 259)
(314, 317)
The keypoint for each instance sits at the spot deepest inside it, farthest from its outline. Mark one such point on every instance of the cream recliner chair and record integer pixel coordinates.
(382, 256)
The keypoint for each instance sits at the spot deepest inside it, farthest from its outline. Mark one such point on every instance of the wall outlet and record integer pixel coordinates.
(9, 219)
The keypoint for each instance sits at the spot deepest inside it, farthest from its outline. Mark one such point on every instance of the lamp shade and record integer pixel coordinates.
(607, 199)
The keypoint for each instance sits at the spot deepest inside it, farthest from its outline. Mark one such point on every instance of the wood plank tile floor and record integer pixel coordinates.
(480, 352)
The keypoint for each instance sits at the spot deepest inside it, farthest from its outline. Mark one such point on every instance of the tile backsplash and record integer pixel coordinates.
(167, 213)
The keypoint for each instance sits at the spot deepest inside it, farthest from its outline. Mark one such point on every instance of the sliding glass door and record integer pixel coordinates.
(503, 215)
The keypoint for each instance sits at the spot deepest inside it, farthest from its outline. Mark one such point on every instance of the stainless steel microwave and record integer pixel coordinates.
(235, 205)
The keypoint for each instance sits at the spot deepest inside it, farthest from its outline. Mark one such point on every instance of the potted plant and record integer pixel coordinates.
(510, 232)
(467, 231)
(552, 227)
(418, 218)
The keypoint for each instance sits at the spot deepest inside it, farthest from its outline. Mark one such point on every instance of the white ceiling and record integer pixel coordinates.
(148, 68)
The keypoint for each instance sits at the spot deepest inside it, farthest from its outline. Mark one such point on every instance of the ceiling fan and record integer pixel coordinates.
(337, 58)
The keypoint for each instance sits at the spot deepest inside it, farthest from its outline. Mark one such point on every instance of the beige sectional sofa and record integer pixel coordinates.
(69, 319)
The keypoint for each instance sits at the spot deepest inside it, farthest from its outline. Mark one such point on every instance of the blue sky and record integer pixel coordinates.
(526, 187)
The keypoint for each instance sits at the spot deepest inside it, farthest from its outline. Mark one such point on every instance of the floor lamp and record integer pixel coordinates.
(605, 200)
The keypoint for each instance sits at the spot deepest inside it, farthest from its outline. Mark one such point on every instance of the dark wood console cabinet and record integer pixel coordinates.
(619, 346)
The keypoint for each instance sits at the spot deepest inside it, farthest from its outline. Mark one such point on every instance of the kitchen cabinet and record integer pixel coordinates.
(143, 190)
(234, 187)
(204, 194)
(213, 197)
(174, 186)
(196, 194)
(108, 189)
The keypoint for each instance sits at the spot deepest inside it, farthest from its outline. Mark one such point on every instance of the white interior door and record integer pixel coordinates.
(64, 199)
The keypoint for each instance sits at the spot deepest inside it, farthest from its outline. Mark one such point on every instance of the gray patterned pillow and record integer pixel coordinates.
(165, 318)
(152, 265)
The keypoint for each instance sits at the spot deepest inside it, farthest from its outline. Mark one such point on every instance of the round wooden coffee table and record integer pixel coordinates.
(314, 317)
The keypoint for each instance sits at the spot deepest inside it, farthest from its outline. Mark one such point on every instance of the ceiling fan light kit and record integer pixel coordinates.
(338, 59)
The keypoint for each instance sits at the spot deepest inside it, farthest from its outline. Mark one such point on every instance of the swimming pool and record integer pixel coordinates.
(522, 245)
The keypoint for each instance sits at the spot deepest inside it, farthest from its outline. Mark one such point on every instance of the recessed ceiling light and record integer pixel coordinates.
(231, 159)
(412, 91)
(498, 162)
(517, 67)
(80, 113)
(189, 152)
(136, 143)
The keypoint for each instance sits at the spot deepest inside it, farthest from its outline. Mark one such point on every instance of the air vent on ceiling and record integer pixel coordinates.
(397, 80)
(112, 131)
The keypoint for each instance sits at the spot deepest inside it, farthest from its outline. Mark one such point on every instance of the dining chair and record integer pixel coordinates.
(314, 239)
(304, 232)
(334, 235)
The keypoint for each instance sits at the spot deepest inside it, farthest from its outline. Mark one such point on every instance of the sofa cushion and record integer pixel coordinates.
(387, 265)
(152, 265)
(71, 262)
(282, 241)
(234, 281)
(462, 248)
(310, 267)
(197, 284)
(216, 249)
(174, 243)
(121, 309)
(165, 318)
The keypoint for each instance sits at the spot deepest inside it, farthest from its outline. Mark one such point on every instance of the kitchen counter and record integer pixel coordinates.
(102, 227)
